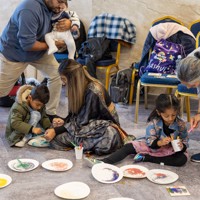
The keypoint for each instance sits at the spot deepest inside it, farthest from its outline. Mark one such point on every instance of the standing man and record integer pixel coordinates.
(22, 43)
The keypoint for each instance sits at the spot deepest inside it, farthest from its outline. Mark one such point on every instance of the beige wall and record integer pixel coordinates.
(140, 12)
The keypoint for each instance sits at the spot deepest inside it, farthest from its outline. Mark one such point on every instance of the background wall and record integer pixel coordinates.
(139, 12)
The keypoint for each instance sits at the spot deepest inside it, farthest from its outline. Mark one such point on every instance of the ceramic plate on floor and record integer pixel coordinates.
(160, 176)
(134, 171)
(27, 165)
(5, 180)
(106, 173)
(121, 198)
(58, 165)
(72, 190)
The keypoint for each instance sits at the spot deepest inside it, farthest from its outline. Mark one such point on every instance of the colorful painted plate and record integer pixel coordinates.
(134, 171)
(5, 180)
(27, 165)
(121, 198)
(160, 176)
(72, 190)
(58, 165)
(106, 173)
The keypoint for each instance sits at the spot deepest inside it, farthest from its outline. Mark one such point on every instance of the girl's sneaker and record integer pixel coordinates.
(91, 161)
(138, 158)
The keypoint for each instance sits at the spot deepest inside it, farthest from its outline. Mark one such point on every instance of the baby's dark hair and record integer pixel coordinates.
(163, 102)
(40, 93)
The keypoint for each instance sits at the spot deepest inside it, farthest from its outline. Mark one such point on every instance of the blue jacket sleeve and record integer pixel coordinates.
(151, 134)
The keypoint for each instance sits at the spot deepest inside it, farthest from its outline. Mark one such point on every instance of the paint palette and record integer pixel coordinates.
(23, 165)
(58, 165)
(72, 190)
(106, 173)
(134, 171)
(160, 176)
(5, 180)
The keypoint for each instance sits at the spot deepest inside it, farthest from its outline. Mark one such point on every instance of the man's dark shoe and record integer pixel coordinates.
(195, 158)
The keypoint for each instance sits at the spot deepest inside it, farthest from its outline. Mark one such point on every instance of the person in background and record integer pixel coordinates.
(164, 125)
(26, 113)
(66, 36)
(22, 43)
(188, 72)
(92, 121)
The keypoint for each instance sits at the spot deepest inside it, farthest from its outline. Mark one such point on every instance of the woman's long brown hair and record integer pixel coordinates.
(77, 81)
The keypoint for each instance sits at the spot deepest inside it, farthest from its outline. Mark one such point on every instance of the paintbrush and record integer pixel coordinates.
(191, 129)
(73, 144)
(81, 145)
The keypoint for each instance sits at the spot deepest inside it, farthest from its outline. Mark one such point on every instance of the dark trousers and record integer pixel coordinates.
(177, 159)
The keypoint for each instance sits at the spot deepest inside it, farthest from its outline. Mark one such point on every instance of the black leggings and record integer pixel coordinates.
(178, 159)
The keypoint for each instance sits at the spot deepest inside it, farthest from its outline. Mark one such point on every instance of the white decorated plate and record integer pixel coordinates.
(121, 198)
(160, 176)
(106, 173)
(5, 180)
(28, 165)
(72, 190)
(58, 165)
(134, 171)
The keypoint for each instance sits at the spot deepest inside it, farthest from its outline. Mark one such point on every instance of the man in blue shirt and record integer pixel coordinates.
(22, 43)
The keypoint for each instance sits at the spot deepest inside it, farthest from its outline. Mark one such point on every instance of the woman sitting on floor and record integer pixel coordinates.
(92, 119)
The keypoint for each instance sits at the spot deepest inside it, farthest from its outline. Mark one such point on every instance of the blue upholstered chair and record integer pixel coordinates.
(61, 56)
(164, 81)
(195, 27)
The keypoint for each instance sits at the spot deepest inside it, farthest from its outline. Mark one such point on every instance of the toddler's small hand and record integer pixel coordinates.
(74, 28)
(57, 122)
(49, 134)
(36, 130)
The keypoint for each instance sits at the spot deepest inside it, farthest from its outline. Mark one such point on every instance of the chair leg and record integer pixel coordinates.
(187, 101)
(182, 105)
(107, 78)
(132, 88)
(176, 93)
(145, 97)
(137, 102)
(169, 90)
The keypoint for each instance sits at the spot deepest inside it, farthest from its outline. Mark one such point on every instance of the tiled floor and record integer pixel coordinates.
(39, 184)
